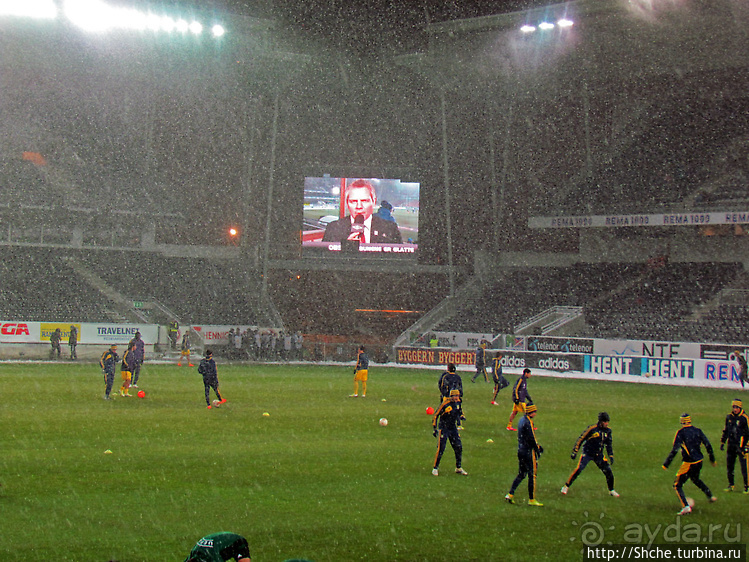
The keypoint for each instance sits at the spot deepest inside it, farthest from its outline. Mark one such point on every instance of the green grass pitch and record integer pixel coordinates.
(320, 479)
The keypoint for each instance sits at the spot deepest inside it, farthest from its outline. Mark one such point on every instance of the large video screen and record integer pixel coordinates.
(364, 217)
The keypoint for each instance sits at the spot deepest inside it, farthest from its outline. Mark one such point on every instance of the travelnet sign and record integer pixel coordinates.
(669, 219)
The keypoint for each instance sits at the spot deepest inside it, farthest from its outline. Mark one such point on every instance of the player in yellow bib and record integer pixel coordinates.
(361, 372)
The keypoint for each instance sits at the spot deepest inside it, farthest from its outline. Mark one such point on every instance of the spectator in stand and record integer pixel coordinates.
(237, 343)
(230, 343)
(258, 344)
(299, 346)
(173, 331)
(54, 339)
(743, 367)
(286, 346)
(73, 342)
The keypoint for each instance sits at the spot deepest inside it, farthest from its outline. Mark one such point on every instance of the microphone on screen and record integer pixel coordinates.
(358, 227)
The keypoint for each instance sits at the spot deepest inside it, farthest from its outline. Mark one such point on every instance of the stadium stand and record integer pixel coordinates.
(671, 302)
(39, 286)
(197, 290)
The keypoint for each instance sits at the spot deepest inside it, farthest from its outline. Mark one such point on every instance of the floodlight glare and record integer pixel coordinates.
(564, 22)
(527, 29)
(39, 9)
(90, 15)
(97, 16)
(545, 25)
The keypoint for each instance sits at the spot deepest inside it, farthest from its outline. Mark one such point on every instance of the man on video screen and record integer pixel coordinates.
(361, 225)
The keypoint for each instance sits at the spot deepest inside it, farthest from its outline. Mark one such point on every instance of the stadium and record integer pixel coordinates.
(564, 183)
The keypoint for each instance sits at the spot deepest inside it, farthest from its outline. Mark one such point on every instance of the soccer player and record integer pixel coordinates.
(499, 380)
(208, 369)
(528, 452)
(140, 356)
(481, 362)
(593, 441)
(689, 440)
(445, 427)
(450, 380)
(520, 397)
(129, 360)
(185, 350)
(220, 547)
(360, 373)
(108, 364)
(736, 436)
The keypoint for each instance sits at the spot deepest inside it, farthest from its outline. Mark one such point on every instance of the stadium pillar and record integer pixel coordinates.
(446, 173)
(269, 213)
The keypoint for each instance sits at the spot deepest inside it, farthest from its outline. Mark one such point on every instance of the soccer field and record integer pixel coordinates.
(319, 478)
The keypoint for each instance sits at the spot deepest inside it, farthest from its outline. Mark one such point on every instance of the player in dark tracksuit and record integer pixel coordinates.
(445, 427)
(528, 452)
(689, 440)
(481, 363)
(596, 439)
(736, 436)
(207, 368)
(450, 380)
(108, 364)
(500, 381)
(520, 397)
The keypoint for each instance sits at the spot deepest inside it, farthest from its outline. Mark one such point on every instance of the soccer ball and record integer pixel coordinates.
(216, 403)
(383, 422)
(141, 394)
(690, 502)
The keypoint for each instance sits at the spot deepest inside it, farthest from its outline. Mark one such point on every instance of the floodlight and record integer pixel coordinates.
(528, 29)
(97, 16)
(564, 22)
(90, 15)
(545, 25)
(40, 9)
